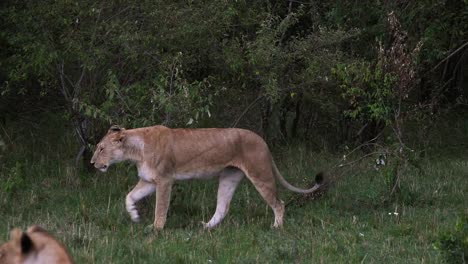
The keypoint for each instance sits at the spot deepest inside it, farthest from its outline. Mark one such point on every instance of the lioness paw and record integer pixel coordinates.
(135, 219)
(205, 225)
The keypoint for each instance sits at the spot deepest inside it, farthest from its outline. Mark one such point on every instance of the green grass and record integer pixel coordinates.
(349, 224)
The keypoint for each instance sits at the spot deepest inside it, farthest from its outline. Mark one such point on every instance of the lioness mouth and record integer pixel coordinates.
(103, 168)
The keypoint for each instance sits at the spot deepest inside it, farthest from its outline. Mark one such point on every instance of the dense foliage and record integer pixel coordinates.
(296, 66)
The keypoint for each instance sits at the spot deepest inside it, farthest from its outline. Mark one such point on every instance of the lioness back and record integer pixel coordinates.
(35, 246)
(215, 145)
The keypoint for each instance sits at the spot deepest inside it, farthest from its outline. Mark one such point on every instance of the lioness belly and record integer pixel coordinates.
(197, 175)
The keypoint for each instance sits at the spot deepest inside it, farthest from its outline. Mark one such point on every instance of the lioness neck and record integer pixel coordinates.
(133, 147)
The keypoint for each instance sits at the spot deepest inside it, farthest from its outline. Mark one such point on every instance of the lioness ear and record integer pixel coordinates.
(115, 128)
(15, 234)
(22, 239)
(119, 138)
(36, 228)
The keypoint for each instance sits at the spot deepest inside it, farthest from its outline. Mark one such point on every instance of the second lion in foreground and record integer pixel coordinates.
(163, 155)
(35, 246)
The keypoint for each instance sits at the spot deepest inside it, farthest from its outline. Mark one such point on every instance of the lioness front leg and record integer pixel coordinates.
(141, 190)
(163, 198)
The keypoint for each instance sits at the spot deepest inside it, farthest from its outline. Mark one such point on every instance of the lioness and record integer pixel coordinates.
(35, 246)
(163, 155)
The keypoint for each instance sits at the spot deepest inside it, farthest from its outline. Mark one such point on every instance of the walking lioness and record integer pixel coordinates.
(163, 155)
(35, 246)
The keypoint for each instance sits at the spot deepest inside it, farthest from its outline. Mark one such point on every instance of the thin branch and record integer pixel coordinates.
(368, 143)
(62, 81)
(300, 2)
(396, 184)
(246, 109)
(79, 132)
(116, 14)
(356, 160)
(449, 56)
(171, 88)
(70, 82)
(442, 88)
(78, 83)
(79, 155)
(362, 129)
(152, 56)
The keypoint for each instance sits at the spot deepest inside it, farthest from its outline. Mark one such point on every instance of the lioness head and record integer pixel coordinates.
(110, 149)
(20, 244)
(34, 246)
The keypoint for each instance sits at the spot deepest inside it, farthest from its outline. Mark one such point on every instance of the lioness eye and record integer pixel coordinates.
(101, 149)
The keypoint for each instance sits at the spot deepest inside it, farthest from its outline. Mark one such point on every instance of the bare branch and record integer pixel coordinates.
(79, 155)
(341, 165)
(368, 143)
(449, 56)
(62, 82)
(80, 134)
(116, 14)
(78, 83)
(396, 183)
(246, 109)
(152, 56)
(171, 87)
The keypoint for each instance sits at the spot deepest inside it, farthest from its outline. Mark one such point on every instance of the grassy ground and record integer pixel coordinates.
(349, 224)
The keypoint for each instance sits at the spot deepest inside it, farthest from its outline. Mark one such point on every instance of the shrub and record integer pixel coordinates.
(454, 244)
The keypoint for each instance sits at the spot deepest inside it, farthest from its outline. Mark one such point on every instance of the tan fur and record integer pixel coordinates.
(163, 155)
(43, 248)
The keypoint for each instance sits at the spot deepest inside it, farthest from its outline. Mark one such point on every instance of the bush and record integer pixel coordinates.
(14, 179)
(454, 244)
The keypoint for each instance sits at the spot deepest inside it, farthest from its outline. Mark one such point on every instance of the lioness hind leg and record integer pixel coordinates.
(228, 182)
(267, 189)
(279, 214)
(141, 190)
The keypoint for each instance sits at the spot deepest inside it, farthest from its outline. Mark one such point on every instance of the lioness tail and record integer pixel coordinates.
(287, 185)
